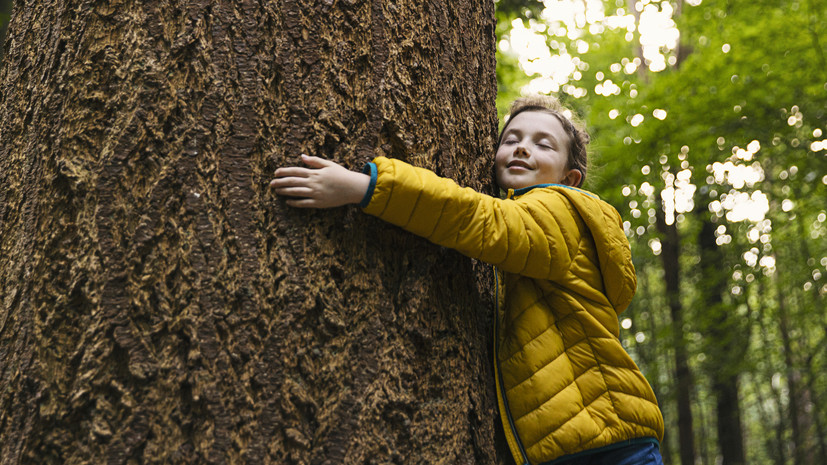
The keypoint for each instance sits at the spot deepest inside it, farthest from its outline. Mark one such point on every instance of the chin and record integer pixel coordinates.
(514, 185)
(517, 182)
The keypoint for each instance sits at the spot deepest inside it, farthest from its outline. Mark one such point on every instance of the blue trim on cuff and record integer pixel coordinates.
(370, 168)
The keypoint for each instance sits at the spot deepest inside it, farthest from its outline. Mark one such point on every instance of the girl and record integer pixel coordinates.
(568, 392)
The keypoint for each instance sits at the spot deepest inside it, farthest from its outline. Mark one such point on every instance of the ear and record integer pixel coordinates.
(572, 178)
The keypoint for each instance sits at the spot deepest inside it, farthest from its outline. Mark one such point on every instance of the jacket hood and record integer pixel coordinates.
(613, 251)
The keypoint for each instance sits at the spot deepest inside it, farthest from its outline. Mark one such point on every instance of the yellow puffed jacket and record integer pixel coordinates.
(564, 273)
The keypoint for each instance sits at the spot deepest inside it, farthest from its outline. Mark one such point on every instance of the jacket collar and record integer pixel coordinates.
(524, 190)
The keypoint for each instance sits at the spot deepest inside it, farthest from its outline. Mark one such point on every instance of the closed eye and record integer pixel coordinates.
(546, 142)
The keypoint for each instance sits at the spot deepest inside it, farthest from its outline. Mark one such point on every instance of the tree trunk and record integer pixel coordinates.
(725, 346)
(793, 379)
(776, 443)
(670, 259)
(819, 453)
(160, 305)
(792, 303)
(649, 351)
(728, 410)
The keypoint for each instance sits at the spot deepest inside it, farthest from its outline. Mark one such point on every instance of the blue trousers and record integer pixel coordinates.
(636, 454)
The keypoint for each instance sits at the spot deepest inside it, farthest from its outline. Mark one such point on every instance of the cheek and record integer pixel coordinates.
(499, 164)
(500, 157)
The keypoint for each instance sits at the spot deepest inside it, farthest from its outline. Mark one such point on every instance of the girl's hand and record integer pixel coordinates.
(323, 184)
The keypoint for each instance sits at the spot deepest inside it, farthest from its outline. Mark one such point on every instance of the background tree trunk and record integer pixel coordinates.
(726, 343)
(684, 384)
(159, 305)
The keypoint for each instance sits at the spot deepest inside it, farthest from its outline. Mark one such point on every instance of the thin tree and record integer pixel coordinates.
(725, 342)
(684, 383)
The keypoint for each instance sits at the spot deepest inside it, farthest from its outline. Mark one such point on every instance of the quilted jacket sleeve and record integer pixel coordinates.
(535, 235)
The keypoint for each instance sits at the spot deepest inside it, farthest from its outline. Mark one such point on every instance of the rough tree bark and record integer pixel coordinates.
(159, 305)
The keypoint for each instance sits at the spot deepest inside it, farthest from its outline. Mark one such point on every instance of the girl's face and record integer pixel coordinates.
(534, 150)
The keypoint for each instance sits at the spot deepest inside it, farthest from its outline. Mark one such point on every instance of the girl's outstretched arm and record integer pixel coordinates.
(323, 184)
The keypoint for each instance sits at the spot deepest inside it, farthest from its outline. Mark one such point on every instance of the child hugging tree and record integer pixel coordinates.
(568, 392)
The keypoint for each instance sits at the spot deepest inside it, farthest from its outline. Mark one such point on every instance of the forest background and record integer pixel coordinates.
(708, 134)
(708, 120)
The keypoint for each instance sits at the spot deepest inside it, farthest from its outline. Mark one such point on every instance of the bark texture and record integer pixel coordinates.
(159, 305)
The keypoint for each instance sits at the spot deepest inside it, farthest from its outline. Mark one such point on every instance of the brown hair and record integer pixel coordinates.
(579, 138)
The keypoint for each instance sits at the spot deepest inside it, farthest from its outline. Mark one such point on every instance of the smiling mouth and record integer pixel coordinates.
(518, 164)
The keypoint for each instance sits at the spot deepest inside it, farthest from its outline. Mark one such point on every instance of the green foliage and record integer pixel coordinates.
(744, 93)
(519, 8)
(4, 21)
(510, 77)
(5, 16)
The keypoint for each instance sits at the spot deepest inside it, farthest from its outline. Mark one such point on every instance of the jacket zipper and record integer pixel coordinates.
(499, 368)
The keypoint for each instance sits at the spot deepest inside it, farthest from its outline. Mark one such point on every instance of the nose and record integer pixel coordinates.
(520, 151)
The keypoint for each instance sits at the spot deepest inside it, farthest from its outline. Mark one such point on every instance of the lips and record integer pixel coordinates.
(518, 164)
